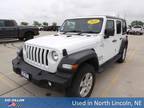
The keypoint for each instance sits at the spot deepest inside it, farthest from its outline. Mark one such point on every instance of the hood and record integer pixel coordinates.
(70, 43)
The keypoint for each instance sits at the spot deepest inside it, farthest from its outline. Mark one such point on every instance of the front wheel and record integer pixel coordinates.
(123, 56)
(28, 36)
(83, 83)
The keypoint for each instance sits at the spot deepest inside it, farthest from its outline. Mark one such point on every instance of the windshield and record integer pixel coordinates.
(84, 25)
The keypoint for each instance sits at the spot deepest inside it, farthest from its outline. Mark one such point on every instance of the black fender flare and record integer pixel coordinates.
(124, 44)
(80, 58)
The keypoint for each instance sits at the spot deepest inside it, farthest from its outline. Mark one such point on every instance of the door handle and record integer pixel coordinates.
(114, 41)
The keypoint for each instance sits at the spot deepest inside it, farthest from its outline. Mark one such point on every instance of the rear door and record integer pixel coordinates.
(121, 30)
(10, 29)
(1, 29)
(118, 36)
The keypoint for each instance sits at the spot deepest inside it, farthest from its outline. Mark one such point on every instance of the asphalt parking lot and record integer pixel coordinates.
(119, 80)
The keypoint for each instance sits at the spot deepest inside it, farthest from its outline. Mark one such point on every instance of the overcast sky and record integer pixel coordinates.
(58, 10)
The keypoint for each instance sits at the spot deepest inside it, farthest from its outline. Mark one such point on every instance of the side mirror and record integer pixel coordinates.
(108, 33)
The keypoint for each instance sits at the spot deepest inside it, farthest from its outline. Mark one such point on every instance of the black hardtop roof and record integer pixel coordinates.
(100, 16)
(112, 17)
(7, 20)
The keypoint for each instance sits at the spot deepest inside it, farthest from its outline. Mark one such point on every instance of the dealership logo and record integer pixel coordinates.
(12, 104)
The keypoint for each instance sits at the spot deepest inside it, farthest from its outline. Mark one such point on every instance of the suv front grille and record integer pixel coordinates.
(36, 55)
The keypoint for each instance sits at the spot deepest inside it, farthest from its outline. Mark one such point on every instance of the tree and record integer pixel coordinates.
(137, 23)
(45, 24)
(24, 23)
(36, 23)
(54, 24)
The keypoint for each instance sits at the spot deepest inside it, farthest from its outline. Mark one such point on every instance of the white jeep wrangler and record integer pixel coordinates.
(71, 58)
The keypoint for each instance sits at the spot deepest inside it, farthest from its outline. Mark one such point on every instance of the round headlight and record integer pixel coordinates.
(55, 56)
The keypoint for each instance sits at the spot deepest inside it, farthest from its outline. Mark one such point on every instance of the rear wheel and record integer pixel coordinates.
(21, 39)
(29, 36)
(83, 83)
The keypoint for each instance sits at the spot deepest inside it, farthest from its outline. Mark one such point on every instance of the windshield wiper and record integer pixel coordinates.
(90, 32)
(79, 32)
(75, 31)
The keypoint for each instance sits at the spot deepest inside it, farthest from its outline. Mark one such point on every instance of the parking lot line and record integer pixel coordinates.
(108, 88)
(5, 80)
(132, 54)
(2, 78)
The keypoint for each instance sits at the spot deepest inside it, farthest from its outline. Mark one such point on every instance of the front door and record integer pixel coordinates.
(109, 43)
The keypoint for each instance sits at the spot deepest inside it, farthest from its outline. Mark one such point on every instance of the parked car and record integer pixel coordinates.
(71, 58)
(40, 28)
(130, 32)
(137, 30)
(51, 28)
(10, 29)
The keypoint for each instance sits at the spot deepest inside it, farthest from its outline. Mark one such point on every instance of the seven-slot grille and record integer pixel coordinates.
(36, 55)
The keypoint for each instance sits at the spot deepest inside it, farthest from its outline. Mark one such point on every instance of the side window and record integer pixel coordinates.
(2, 24)
(124, 27)
(110, 26)
(118, 23)
(9, 23)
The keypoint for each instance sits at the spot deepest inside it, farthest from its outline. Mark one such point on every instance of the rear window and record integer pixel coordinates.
(118, 27)
(124, 27)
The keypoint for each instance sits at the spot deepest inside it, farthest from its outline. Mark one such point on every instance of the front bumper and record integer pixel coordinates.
(41, 77)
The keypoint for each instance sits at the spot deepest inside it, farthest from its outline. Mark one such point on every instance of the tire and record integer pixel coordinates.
(123, 55)
(139, 33)
(21, 39)
(29, 36)
(83, 82)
